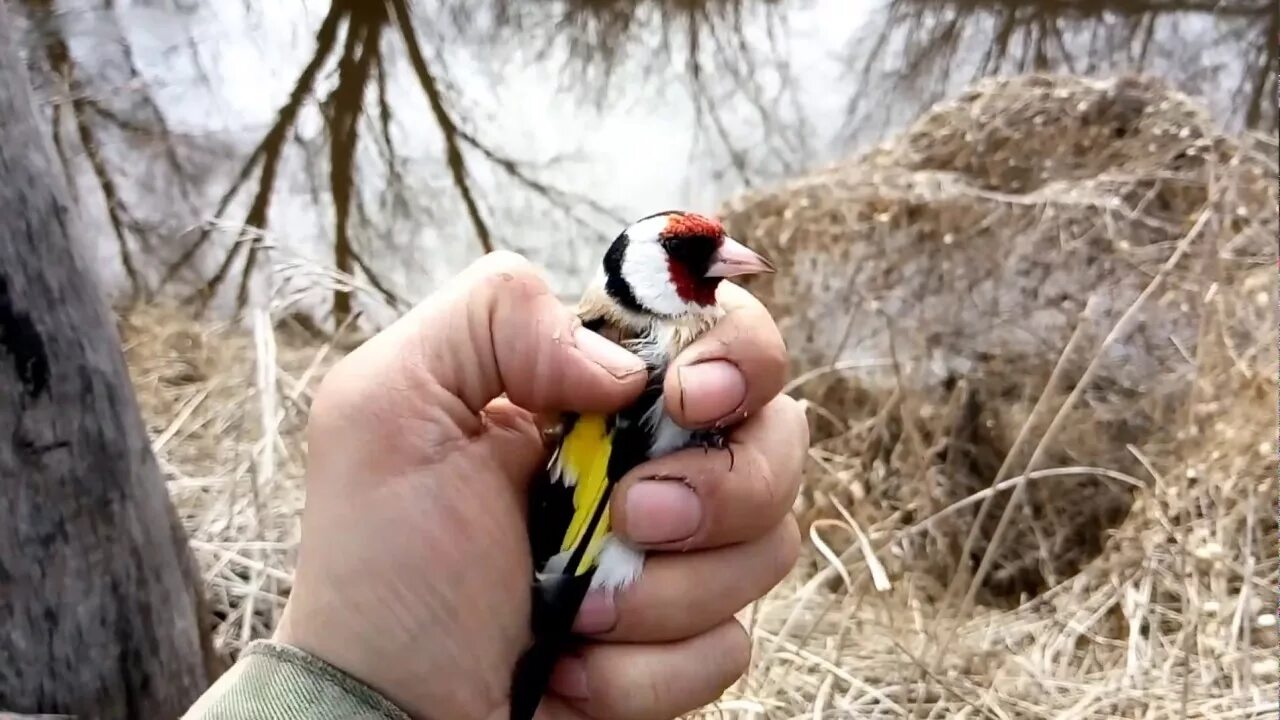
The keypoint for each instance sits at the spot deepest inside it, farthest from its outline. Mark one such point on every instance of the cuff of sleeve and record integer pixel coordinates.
(272, 681)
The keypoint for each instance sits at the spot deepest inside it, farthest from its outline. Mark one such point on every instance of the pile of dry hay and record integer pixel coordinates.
(226, 408)
(1065, 287)
(1136, 575)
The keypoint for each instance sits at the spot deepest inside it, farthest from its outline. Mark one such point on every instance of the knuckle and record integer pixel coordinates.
(769, 352)
(337, 393)
(740, 502)
(787, 549)
(762, 478)
(734, 496)
(795, 415)
(511, 418)
(506, 275)
(516, 287)
(503, 259)
(710, 480)
(775, 349)
(802, 424)
(737, 652)
(763, 334)
(774, 557)
(791, 409)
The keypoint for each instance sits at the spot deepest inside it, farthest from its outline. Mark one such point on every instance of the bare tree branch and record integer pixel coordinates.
(557, 197)
(117, 212)
(346, 107)
(267, 153)
(395, 176)
(453, 153)
(161, 125)
(63, 66)
(60, 148)
(394, 300)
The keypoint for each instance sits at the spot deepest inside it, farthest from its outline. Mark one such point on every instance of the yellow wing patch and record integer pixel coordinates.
(583, 463)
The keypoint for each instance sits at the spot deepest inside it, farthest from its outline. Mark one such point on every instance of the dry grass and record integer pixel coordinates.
(226, 410)
(1111, 372)
(226, 406)
(1065, 289)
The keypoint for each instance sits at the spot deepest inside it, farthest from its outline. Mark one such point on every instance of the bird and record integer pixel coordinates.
(654, 293)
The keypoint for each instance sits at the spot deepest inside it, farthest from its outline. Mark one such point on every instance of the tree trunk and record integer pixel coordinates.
(98, 605)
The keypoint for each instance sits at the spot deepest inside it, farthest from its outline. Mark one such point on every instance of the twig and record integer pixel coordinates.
(267, 154)
(556, 196)
(1056, 379)
(1121, 328)
(835, 367)
(64, 67)
(879, 578)
(1016, 482)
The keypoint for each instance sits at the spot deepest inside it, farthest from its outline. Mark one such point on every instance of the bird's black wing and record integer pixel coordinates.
(554, 507)
(550, 508)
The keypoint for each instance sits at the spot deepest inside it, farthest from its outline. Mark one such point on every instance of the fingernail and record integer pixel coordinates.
(569, 679)
(662, 511)
(606, 353)
(711, 390)
(598, 614)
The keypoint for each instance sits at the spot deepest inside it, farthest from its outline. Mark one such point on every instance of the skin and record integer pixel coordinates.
(414, 570)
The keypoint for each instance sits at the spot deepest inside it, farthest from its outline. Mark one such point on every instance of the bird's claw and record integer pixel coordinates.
(710, 440)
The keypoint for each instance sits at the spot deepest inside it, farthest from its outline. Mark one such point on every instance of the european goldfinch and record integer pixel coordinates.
(655, 293)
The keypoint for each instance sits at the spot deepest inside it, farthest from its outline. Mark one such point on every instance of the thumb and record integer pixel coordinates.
(504, 331)
(495, 329)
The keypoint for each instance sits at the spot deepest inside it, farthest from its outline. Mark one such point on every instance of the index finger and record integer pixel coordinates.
(733, 370)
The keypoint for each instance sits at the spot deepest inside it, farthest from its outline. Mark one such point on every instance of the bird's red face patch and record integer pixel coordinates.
(691, 241)
(688, 287)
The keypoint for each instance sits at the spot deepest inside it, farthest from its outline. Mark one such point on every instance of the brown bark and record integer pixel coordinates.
(97, 591)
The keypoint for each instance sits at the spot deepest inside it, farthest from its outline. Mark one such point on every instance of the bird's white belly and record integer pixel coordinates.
(667, 435)
(620, 564)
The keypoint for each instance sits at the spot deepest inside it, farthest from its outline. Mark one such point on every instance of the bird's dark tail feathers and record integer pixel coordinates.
(555, 606)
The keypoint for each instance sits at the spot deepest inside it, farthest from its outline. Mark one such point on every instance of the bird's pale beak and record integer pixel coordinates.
(733, 259)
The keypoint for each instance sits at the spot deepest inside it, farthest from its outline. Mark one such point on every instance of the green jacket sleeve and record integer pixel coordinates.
(272, 681)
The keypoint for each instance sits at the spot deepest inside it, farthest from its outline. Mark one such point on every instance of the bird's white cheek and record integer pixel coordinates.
(646, 271)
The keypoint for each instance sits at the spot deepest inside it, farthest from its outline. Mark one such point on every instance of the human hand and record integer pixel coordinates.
(414, 570)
